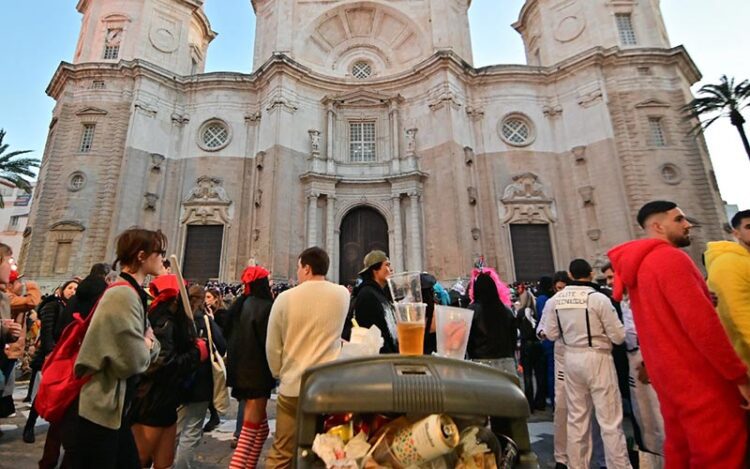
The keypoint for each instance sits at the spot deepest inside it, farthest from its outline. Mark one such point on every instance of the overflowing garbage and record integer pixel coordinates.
(436, 441)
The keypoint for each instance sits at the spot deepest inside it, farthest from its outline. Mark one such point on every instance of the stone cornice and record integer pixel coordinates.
(441, 60)
(83, 4)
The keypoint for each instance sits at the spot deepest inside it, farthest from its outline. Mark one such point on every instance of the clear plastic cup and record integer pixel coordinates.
(453, 327)
(410, 325)
(405, 287)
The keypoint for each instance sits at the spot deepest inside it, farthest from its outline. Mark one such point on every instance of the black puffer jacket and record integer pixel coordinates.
(372, 307)
(50, 311)
(160, 388)
(201, 384)
(493, 332)
(246, 330)
(87, 294)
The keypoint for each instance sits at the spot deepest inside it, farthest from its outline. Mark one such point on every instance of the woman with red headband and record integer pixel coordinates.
(154, 409)
(248, 373)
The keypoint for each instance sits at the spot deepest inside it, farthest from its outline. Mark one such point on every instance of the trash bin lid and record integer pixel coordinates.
(411, 384)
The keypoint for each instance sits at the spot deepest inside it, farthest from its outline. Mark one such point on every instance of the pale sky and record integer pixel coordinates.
(38, 34)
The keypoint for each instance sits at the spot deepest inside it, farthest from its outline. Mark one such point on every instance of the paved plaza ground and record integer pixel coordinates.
(215, 451)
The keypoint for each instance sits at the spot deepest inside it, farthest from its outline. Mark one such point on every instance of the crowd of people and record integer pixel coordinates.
(142, 390)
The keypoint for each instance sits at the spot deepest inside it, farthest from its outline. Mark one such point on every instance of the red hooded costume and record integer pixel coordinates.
(689, 359)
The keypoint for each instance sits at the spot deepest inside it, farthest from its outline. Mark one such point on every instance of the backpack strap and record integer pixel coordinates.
(559, 326)
(588, 320)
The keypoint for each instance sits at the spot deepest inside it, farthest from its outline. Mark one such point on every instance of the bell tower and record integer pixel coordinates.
(555, 30)
(381, 37)
(173, 34)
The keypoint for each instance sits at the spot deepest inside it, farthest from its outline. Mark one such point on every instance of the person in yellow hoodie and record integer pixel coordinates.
(728, 266)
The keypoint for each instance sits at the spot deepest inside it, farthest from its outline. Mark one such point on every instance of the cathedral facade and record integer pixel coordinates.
(365, 125)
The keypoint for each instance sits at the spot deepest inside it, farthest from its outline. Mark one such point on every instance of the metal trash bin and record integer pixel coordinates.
(415, 386)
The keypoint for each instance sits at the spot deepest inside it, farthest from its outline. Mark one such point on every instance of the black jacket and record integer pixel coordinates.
(247, 366)
(164, 383)
(201, 384)
(50, 311)
(493, 332)
(87, 294)
(372, 307)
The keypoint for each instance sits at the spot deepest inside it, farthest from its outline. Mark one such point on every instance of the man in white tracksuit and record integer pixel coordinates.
(586, 322)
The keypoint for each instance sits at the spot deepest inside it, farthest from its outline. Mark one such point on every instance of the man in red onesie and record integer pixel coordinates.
(701, 384)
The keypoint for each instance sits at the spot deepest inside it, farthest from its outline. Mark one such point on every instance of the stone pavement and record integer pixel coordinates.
(215, 451)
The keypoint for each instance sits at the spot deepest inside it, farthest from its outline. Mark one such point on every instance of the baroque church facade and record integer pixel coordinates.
(365, 125)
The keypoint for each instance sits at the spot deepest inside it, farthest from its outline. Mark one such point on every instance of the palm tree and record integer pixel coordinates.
(13, 169)
(722, 100)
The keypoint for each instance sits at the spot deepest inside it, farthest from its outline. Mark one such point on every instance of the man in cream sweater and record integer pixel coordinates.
(304, 330)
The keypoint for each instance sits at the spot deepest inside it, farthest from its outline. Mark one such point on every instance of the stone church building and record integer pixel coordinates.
(365, 125)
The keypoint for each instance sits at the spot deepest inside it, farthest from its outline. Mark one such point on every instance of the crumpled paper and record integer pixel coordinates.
(364, 342)
(333, 452)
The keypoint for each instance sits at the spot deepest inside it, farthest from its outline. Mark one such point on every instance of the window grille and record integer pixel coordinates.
(625, 28)
(362, 141)
(657, 132)
(516, 131)
(215, 135)
(361, 70)
(87, 139)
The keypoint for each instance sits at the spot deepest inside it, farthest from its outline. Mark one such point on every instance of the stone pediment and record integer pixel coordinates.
(651, 103)
(361, 97)
(91, 111)
(67, 225)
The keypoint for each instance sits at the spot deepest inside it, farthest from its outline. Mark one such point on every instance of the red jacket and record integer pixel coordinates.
(684, 346)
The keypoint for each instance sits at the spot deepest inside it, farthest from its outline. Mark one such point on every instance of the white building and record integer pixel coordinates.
(364, 125)
(15, 215)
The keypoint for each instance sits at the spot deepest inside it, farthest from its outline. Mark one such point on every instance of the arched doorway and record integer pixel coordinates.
(362, 230)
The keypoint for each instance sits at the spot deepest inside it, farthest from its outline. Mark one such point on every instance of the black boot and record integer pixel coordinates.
(28, 429)
(213, 421)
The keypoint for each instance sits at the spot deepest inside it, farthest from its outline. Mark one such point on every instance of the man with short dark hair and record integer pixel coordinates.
(702, 386)
(304, 330)
(371, 306)
(586, 322)
(728, 266)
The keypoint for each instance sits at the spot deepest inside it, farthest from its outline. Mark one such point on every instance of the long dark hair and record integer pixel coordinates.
(485, 291)
(261, 288)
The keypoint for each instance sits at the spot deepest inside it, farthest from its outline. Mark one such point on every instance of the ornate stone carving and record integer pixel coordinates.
(411, 141)
(468, 156)
(587, 195)
(260, 159)
(253, 118)
(156, 162)
(473, 195)
(475, 234)
(526, 201)
(525, 187)
(146, 109)
(280, 101)
(444, 95)
(579, 153)
(314, 142)
(590, 98)
(150, 201)
(207, 203)
(180, 119)
(475, 112)
(552, 111)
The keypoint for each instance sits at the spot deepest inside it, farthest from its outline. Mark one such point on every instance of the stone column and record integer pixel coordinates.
(329, 139)
(312, 218)
(393, 121)
(397, 256)
(415, 244)
(330, 241)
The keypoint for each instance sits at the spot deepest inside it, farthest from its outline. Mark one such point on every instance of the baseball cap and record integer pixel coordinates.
(372, 258)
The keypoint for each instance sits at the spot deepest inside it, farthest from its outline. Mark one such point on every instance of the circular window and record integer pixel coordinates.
(670, 173)
(361, 70)
(76, 182)
(516, 130)
(214, 135)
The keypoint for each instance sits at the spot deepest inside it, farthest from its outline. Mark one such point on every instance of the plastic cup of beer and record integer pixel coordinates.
(405, 287)
(453, 327)
(410, 325)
